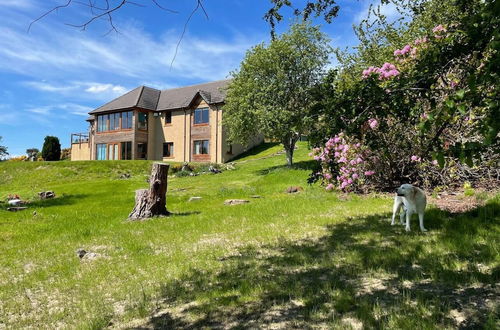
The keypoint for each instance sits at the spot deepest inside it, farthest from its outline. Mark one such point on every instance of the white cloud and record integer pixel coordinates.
(105, 88)
(389, 10)
(68, 108)
(53, 52)
(16, 3)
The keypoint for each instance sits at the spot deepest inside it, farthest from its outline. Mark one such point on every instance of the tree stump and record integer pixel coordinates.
(153, 201)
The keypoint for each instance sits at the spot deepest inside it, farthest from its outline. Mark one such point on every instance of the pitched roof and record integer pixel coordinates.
(212, 92)
(168, 99)
(142, 97)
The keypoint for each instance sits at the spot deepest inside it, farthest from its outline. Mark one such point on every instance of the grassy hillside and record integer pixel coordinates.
(283, 260)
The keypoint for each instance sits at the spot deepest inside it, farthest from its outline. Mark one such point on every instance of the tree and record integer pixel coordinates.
(3, 149)
(271, 94)
(32, 153)
(51, 149)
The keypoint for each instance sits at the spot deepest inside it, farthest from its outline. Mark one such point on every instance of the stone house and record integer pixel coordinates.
(180, 125)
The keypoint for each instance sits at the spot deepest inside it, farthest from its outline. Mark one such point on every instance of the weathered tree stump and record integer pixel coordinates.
(153, 201)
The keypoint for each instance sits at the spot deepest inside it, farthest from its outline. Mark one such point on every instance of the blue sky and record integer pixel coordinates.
(51, 77)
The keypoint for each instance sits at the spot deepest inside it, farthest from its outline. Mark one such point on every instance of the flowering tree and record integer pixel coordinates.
(433, 97)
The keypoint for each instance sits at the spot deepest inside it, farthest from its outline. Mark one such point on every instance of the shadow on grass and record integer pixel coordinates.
(362, 272)
(302, 165)
(57, 201)
(183, 214)
(255, 150)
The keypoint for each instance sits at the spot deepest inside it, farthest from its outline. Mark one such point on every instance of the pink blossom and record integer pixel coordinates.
(329, 187)
(368, 173)
(439, 28)
(435, 162)
(349, 181)
(373, 123)
(336, 139)
(328, 176)
(424, 115)
(316, 157)
(355, 176)
(397, 52)
(415, 158)
(337, 154)
(357, 145)
(342, 160)
(359, 160)
(353, 169)
(352, 162)
(344, 184)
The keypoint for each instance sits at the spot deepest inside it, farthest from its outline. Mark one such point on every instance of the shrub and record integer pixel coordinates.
(51, 149)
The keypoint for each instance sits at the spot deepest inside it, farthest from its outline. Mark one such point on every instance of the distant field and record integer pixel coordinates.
(311, 259)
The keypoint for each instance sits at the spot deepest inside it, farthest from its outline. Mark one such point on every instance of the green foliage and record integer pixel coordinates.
(271, 94)
(51, 149)
(443, 103)
(3, 150)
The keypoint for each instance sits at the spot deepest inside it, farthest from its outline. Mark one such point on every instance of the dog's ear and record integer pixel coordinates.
(414, 192)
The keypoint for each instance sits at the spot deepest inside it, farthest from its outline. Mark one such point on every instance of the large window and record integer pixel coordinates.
(127, 119)
(168, 149)
(102, 123)
(201, 116)
(142, 150)
(101, 151)
(126, 148)
(200, 147)
(114, 121)
(143, 121)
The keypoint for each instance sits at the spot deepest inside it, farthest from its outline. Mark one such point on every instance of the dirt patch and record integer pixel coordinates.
(456, 202)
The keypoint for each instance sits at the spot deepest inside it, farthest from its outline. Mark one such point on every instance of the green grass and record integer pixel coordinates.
(312, 259)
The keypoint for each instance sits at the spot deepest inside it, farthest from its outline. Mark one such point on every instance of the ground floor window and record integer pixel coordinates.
(126, 150)
(101, 151)
(168, 149)
(200, 147)
(142, 150)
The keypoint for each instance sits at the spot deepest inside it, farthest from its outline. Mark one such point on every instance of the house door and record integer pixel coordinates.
(113, 151)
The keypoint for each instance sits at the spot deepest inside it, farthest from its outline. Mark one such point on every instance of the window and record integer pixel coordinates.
(127, 119)
(114, 121)
(102, 123)
(200, 147)
(143, 120)
(168, 117)
(101, 151)
(142, 150)
(201, 116)
(126, 148)
(168, 149)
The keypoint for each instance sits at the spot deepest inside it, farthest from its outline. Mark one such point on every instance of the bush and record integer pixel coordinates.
(51, 149)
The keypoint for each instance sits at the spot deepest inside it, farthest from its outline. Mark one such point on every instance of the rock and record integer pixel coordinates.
(293, 189)
(46, 194)
(214, 170)
(81, 253)
(235, 201)
(230, 167)
(15, 202)
(16, 208)
(194, 198)
(125, 176)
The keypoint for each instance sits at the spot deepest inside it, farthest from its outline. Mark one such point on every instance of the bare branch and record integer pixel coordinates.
(198, 6)
(49, 12)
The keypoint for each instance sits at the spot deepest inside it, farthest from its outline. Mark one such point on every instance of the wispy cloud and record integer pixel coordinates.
(66, 108)
(389, 10)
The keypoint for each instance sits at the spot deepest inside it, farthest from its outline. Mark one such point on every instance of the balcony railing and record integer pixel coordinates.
(79, 138)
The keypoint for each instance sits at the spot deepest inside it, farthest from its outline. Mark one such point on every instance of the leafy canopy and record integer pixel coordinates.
(272, 93)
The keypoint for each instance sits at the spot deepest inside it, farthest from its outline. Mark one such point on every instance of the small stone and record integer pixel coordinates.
(293, 189)
(194, 198)
(46, 194)
(235, 201)
(81, 253)
(15, 202)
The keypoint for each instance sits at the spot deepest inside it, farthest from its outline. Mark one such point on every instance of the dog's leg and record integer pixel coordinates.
(408, 216)
(395, 209)
(421, 220)
(402, 215)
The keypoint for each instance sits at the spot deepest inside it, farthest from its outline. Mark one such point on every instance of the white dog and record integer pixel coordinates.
(412, 200)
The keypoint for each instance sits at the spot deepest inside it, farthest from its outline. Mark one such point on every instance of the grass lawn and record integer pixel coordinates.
(305, 260)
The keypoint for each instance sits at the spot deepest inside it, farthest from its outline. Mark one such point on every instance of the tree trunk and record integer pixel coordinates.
(289, 144)
(152, 202)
